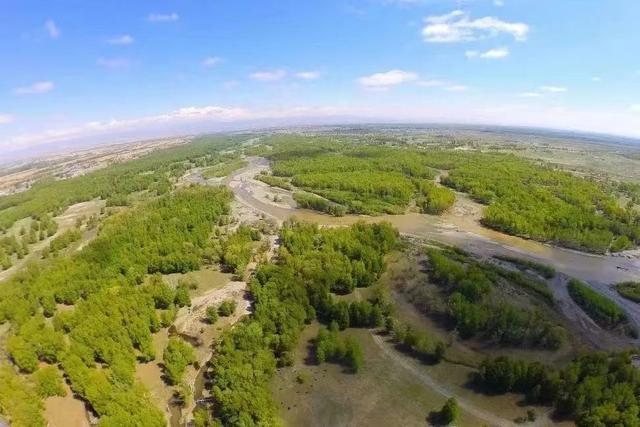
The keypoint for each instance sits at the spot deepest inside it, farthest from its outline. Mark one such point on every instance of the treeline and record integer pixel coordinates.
(468, 286)
(274, 181)
(153, 172)
(98, 343)
(311, 201)
(600, 308)
(63, 240)
(312, 263)
(596, 389)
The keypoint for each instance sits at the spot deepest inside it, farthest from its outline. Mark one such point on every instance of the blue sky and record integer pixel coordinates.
(107, 70)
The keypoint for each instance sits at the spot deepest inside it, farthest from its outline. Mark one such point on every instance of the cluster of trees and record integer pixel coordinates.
(176, 357)
(312, 201)
(468, 285)
(287, 295)
(331, 347)
(629, 290)
(360, 179)
(99, 341)
(542, 203)
(227, 165)
(62, 241)
(356, 314)
(236, 249)
(600, 308)
(596, 389)
(274, 181)
(434, 199)
(418, 342)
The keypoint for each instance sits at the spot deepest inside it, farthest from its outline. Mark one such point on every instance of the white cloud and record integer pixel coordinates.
(123, 40)
(553, 89)
(387, 79)
(158, 17)
(457, 26)
(113, 63)
(530, 94)
(635, 108)
(307, 75)
(596, 79)
(211, 61)
(6, 119)
(496, 53)
(268, 76)
(52, 29)
(498, 3)
(35, 88)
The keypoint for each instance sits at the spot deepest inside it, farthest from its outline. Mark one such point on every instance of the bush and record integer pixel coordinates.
(600, 308)
(227, 307)
(212, 315)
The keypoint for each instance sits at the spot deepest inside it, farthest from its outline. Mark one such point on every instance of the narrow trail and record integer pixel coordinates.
(425, 378)
(468, 407)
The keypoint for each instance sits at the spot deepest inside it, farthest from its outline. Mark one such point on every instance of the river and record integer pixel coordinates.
(599, 271)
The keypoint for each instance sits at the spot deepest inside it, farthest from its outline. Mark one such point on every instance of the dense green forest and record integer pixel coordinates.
(153, 172)
(289, 294)
(475, 311)
(524, 198)
(98, 342)
(596, 389)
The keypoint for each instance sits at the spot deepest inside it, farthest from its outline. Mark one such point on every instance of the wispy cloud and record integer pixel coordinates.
(387, 79)
(307, 75)
(596, 79)
(498, 3)
(457, 26)
(159, 17)
(122, 40)
(635, 108)
(553, 89)
(52, 29)
(211, 61)
(268, 76)
(113, 63)
(496, 53)
(35, 88)
(5, 119)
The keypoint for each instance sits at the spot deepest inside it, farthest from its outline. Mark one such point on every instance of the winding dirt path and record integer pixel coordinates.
(439, 388)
